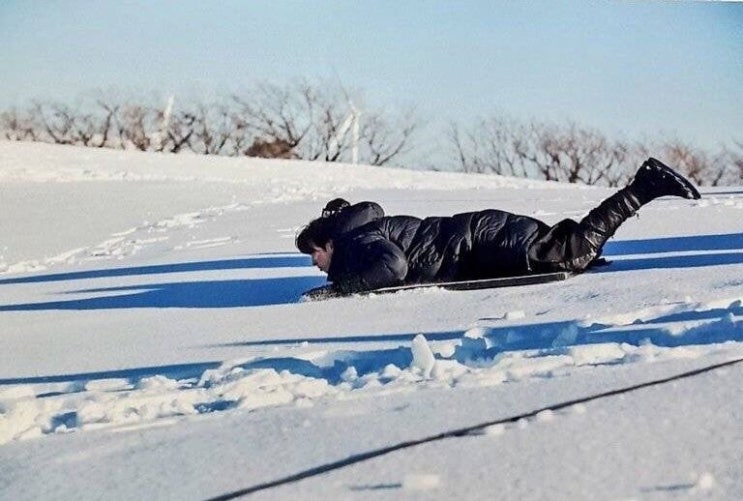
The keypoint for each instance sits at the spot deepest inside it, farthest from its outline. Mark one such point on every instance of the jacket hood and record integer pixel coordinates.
(355, 216)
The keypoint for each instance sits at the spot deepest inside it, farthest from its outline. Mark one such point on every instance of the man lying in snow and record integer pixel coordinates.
(361, 249)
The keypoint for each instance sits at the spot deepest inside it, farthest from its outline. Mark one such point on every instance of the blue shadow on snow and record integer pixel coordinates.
(712, 244)
(206, 294)
(695, 243)
(671, 262)
(263, 261)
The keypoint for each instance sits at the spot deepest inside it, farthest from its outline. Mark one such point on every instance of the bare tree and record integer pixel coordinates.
(135, 127)
(578, 155)
(385, 141)
(17, 127)
(60, 124)
(179, 132)
(702, 167)
(492, 145)
(106, 125)
(213, 130)
(737, 161)
(539, 150)
(273, 114)
(56, 121)
(310, 122)
(92, 128)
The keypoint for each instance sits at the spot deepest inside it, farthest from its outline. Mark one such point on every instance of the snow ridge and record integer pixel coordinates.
(485, 354)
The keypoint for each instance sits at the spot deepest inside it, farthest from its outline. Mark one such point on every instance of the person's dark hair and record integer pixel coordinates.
(334, 207)
(316, 234)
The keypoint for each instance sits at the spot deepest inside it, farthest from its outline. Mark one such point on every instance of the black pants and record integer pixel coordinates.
(563, 247)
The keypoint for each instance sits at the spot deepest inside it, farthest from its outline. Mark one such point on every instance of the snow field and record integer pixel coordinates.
(151, 335)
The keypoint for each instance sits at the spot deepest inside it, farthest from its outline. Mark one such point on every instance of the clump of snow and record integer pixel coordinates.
(157, 383)
(473, 345)
(705, 482)
(421, 482)
(108, 384)
(578, 408)
(545, 416)
(515, 315)
(595, 354)
(423, 358)
(495, 430)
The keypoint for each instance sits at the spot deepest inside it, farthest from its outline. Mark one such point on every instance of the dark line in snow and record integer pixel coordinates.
(461, 432)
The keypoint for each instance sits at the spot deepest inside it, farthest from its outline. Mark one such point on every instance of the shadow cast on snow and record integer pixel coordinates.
(714, 326)
(671, 262)
(206, 294)
(262, 261)
(692, 243)
(709, 251)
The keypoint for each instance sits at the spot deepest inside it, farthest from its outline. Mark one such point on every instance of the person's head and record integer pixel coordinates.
(315, 240)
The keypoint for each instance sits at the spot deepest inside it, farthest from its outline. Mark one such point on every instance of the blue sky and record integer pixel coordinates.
(629, 69)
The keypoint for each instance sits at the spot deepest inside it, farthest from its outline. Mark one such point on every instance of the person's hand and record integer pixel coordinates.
(319, 293)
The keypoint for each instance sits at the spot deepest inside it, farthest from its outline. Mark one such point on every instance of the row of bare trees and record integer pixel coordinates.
(318, 122)
(300, 120)
(574, 154)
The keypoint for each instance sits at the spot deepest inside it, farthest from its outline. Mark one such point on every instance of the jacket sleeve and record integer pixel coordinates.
(374, 264)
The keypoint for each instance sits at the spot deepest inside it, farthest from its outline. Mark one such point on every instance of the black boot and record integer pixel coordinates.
(653, 179)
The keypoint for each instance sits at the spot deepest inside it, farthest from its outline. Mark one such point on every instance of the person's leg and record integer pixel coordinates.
(573, 246)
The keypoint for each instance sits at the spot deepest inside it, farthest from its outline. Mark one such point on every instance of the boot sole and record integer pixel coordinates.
(691, 192)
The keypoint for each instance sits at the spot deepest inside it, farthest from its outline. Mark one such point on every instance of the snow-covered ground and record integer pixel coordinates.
(153, 345)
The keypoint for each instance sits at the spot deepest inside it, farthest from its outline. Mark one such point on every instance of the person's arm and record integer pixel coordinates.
(375, 264)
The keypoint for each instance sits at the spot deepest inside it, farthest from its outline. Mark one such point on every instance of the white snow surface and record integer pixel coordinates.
(153, 344)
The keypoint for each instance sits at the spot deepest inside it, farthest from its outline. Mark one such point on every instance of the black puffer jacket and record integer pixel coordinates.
(399, 250)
